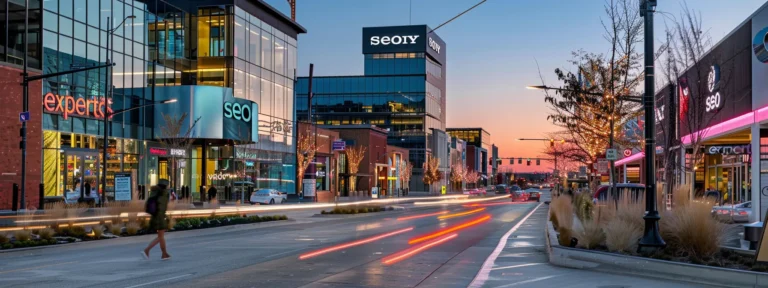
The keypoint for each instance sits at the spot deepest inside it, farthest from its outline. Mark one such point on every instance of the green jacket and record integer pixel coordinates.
(162, 199)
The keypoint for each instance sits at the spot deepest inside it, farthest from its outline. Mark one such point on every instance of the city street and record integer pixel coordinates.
(268, 255)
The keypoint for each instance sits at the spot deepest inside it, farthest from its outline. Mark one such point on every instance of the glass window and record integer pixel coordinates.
(138, 26)
(50, 21)
(93, 13)
(117, 71)
(266, 51)
(240, 81)
(280, 57)
(65, 26)
(78, 125)
(80, 6)
(254, 84)
(80, 52)
(279, 104)
(117, 6)
(254, 49)
(106, 11)
(93, 36)
(80, 31)
(65, 8)
(265, 106)
(103, 38)
(52, 5)
(139, 72)
(240, 36)
(65, 51)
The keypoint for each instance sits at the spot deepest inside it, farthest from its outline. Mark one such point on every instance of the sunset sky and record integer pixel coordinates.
(513, 34)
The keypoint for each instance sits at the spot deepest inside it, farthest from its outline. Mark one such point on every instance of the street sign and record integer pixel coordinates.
(610, 154)
(339, 145)
(602, 166)
(24, 116)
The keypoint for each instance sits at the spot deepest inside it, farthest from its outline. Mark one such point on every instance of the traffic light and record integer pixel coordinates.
(528, 162)
(538, 162)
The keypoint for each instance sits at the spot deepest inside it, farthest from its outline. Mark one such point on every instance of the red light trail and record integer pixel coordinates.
(450, 229)
(394, 258)
(352, 244)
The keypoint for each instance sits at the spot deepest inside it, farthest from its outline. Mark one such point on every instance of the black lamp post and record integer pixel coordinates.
(651, 236)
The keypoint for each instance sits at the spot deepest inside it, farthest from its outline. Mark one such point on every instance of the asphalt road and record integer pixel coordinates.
(267, 254)
(504, 251)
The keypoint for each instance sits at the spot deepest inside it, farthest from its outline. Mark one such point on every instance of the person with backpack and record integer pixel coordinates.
(156, 205)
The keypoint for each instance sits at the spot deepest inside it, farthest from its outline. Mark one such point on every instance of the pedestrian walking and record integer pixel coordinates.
(212, 193)
(156, 205)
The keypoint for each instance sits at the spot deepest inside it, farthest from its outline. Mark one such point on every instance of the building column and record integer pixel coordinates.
(756, 185)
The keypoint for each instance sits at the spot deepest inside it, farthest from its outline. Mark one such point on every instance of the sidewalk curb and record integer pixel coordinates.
(646, 267)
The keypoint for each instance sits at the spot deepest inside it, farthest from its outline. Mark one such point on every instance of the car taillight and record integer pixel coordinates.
(742, 213)
(722, 212)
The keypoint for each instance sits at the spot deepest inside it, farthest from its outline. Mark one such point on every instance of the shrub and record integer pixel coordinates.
(583, 206)
(563, 211)
(53, 241)
(3, 239)
(195, 222)
(590, 234)
(98, 231)
(77, 232)
(337, 210)
(46, 233)
(254, 219)
(116, 229)
(22, 235)
(7, 246)
(322, 212)
(689, 229)
(63, 231)
(283, 217)
(621, 236)
(132, 228)
(564, 236)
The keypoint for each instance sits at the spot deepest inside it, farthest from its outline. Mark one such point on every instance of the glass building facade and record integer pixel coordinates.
(165, 44)
(402, 90)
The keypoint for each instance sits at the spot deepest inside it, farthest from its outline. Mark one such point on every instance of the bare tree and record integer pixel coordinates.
(698, 74)
(355, 155)
(174, 136)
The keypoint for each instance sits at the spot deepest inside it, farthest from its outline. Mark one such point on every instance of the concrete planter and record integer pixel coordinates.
(624, 264)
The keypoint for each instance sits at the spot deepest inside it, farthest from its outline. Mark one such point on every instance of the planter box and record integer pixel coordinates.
(624, 264)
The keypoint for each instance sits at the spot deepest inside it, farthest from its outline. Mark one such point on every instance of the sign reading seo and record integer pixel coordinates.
(713, 101)
(67, 105)
(237, 111)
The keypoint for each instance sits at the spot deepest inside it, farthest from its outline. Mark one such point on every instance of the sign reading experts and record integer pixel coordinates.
(68, 105)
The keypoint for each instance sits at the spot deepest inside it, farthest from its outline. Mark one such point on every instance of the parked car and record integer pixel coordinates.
(518, 194)
(534, 194)
(736, 212)
(634, 189)
(502, 189)
(267, 196)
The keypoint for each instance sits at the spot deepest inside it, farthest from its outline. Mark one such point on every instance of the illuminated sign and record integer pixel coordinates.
(178, 152)
(395, 40)
(434, 45)
(69, 105)
(745, 149)
(714, 101)
(237, 111)
(659, 114)
(167, 152)
(627, 152)
(158, 151)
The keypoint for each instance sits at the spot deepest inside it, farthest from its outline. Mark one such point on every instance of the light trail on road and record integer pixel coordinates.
(399, 256)
(454, 215)
(494, 204)
(447, 202)
(352, 244)
(450, 229)
(421, 216)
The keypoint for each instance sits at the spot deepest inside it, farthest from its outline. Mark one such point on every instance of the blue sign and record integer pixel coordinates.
(24, 116)
(339, 145)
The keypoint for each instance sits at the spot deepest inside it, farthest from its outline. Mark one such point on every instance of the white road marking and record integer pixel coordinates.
(158, 281)
(482, 275)
(528, 281)
(516, 266)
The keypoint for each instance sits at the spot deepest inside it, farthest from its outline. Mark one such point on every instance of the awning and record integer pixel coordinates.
(630, 159)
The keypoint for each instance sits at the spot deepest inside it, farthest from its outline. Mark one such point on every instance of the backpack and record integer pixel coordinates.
(150, 206)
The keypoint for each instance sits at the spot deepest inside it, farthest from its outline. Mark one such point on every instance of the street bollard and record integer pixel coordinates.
(15, 205)
(41, 205)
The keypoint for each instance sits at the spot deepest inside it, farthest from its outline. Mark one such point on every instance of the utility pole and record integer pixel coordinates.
(24, 108)
(651, 236)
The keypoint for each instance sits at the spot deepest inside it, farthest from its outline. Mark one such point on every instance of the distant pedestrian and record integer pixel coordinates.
(212, 193)
(156, 205)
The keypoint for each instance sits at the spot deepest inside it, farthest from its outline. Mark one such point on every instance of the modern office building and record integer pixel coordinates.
(228, 64)
(402, 90)
(479, 149)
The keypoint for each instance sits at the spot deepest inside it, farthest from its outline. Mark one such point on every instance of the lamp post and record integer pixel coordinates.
(651, 236)
(107, 96)
(107, 116)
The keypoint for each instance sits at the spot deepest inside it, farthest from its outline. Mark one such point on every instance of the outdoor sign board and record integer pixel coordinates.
(403, 39)
(339, 145)
(610, 154)
(123, 187)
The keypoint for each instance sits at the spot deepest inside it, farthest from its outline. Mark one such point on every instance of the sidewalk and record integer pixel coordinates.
(524, 262)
